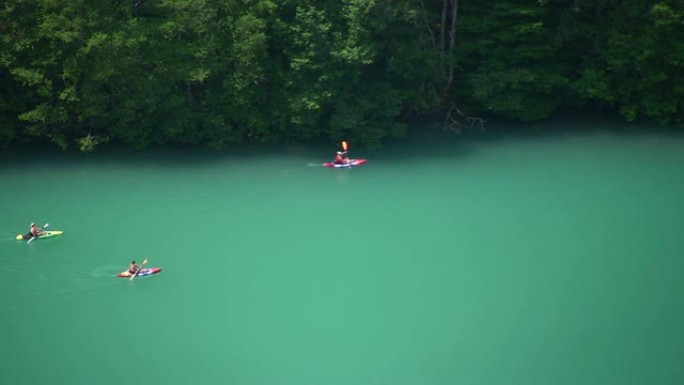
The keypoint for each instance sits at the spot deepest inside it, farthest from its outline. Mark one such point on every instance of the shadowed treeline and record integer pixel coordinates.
(221, 73)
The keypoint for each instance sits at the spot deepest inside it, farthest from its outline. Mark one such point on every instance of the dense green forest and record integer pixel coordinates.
(222, 72)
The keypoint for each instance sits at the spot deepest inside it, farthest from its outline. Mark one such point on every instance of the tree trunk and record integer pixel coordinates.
(452, 44)
(442, 26)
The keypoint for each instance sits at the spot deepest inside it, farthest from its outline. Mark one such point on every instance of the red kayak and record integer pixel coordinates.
(141, 273)
(352, 163)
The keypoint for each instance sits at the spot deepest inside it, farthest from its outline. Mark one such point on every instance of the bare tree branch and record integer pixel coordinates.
(456, 123)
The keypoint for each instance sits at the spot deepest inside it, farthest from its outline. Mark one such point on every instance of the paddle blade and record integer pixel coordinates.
(46, 225)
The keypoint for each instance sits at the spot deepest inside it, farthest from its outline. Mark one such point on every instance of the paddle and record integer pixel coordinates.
(345, 147)
(139, 268)
(33, 237)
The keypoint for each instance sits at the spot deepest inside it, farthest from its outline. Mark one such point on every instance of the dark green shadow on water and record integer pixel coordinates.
(422, 142)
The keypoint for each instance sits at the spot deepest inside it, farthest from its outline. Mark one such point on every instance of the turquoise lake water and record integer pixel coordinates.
(550, 259)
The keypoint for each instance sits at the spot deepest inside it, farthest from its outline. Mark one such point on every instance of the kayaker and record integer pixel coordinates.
(133, 268)
(341, 157)
(35, 231)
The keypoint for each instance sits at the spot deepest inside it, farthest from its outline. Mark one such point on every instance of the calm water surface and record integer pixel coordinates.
(547, 260)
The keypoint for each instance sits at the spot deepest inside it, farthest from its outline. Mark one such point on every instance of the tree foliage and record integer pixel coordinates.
(225, 72)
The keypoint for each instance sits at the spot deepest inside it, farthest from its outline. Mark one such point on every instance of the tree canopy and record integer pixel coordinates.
(224, 72)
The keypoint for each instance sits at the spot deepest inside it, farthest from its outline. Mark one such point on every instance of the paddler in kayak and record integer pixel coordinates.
(133, 268)
(341, 157)
(35, 231)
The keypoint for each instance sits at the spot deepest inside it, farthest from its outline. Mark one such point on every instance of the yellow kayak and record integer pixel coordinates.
(48, 234)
